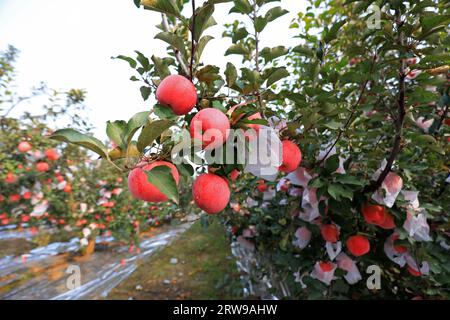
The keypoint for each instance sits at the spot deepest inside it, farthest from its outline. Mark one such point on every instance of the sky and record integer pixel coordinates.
(69, 44)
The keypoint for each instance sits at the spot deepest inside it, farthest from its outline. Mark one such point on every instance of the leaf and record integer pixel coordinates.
(260, 23)
(116, 131)
(275, 13)
(143, 60)
(336, 191)
(432, 21)
(332, 34)
(163, 112)
(137, 3)
(161, 177)
(201, 46)
(145, 92)
(304, 51)
(136, 122)
(332, 163)
(237, 49)
(230, 74)
(333, 125)
(130, 60)
(164, 6)
(185, 169)
(270, 54)
(208, 74)
(161, 68)
(80, 139)
(277, 75)
(349, 179)
(242, 6)
(203, 20)
(174, 40)
(152, 131)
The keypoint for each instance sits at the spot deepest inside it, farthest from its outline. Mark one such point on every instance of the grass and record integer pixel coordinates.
(205, 270)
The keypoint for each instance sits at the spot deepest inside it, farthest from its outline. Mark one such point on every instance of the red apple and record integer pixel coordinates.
(142, 189)
(211, 126)
(178, 93)
(292, 157)
(211, 193)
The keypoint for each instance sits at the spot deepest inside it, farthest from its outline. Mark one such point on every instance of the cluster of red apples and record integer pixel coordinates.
(211, 192)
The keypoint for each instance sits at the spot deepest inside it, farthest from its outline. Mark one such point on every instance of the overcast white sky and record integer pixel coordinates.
(68, 44)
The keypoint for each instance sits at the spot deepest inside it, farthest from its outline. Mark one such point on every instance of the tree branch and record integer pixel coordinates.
(401, 110)
(178, 56)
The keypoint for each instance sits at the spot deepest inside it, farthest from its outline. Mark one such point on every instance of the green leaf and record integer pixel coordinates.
(136, 122)
(161, 67)
(242, 6)
(332, 163)
(277, 75)
(185, 169)
(349, 179)
(333, 125)
(239, 34)
(304, 51)
(260, 23)
(161, 177)
(201, 46)
(230, 74)
(432, 21)
(145, 92)
(275, 13)
(130, 60)
(143, 60)
(208, 74)
(116, 131)
(237, 49)
(332, 34)
(80, 139)
(163, 112)
(336, 191)
(174, 40)
(203, 20)
(164, 6)
(152, 131)
(270, 54)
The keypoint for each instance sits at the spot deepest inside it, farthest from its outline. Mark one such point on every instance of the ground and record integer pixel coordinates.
(198, 265)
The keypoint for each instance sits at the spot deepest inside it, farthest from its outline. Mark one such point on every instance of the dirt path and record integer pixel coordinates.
(197, 265)
(41, 272)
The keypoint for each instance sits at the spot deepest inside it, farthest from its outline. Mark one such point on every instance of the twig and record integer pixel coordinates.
(258, 69)
(178, 56)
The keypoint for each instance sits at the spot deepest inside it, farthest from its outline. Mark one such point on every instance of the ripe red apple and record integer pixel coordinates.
(142, 189)
(262, 186)
(211, 126)
(373, 214)
(211, 193)
(292, 157)
(358, 245)
(388, 222)
(14, 197)
(51, 154)
(330, 233)
(10, 178)
(42, 167)
(178, 93)
(24, 146)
